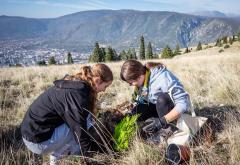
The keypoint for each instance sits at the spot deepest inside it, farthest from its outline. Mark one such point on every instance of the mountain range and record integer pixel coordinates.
(120, 29)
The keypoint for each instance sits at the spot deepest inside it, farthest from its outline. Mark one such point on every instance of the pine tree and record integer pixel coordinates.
(177, 50)
(129, 54)
(186, 50)
(102, 54)
(149, 54)
(41, 63)
(233, 38)
(69, 58)
(109, 54)
(116, 57)
(96, 55)
(52, 61)
(142, 48)
(218, 43)
(167, 52)
(123, 55)
(238, 35)
(230, 40)
(225, 40)
(134, 54)
(199, 46)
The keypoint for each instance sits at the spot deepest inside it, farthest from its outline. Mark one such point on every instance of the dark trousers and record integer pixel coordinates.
(145, 110)
(163, 106)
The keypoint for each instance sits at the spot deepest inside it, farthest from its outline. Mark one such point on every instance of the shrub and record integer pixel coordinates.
(167, 52)
(52, 61)
(221, 50)
(199, 46)
(226, 46)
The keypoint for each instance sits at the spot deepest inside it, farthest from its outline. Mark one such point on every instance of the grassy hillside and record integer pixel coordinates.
(211, 78)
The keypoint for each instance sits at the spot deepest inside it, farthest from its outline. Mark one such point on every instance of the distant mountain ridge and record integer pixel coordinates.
(118, 28)
(216, 14)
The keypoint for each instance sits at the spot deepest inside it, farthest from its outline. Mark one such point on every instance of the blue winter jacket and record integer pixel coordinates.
(162, 80)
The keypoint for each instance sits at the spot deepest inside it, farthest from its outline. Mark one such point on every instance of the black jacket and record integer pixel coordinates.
(66, 102)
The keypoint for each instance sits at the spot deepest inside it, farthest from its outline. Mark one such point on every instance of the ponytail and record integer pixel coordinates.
(150, 65)
(86, 74)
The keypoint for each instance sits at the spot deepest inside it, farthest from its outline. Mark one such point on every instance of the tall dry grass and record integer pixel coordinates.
(213, 81)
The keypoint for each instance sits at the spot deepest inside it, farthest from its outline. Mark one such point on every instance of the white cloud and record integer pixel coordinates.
(80, 5)
(193, 5)
(226, 6)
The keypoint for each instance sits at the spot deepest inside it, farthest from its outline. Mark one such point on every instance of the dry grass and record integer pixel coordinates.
(211, 78)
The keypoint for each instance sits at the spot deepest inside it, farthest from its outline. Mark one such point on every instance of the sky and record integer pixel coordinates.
(56, 8)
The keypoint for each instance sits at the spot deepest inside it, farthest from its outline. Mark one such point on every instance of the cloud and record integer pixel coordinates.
(181, 2)
(168, 5)
(80, 4)
(193, 5)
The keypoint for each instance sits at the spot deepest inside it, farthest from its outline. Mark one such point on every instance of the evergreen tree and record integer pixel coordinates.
(115, 55)
(123, 55)
(233, 38)
(52, 61)
(225, 39)
(230, 40)
(186, 50)
(102, 54)
(199, 46)
(109, 54)
(129, 54)
(90, 58)
(96, 55)
(134, 54)
(41, 63)
(149, 54)
(238, 35)
(177, 50)
(69, 58)
(218, 43)
(142, 48)
(167, 52)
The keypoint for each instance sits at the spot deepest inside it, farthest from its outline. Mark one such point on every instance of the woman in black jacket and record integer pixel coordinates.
(57, 122)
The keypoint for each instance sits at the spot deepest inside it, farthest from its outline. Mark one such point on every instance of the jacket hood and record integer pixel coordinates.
(156, 71)
(68, 84)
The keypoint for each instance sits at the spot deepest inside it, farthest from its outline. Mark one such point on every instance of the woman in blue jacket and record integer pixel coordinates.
(160, 96)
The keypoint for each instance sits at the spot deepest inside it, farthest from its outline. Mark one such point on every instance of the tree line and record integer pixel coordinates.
(52, 61)
(102, 54)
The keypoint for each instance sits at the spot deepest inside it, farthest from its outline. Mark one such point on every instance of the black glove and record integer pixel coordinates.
(154, 124)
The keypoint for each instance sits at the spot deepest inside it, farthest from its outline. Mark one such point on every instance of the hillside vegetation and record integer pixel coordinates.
(211, 78)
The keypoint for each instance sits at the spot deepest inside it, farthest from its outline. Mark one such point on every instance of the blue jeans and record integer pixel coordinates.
(62, 142)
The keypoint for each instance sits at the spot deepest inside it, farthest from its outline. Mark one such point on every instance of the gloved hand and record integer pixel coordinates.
(154, 124)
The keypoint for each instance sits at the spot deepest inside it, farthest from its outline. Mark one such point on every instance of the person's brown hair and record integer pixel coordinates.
(150, 65)
(87, 73)
(133, 69)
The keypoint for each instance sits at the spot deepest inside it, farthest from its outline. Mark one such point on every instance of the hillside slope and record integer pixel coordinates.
(119, 28)
(211, 78)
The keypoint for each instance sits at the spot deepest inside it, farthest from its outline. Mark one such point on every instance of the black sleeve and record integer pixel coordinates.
(75, 115)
